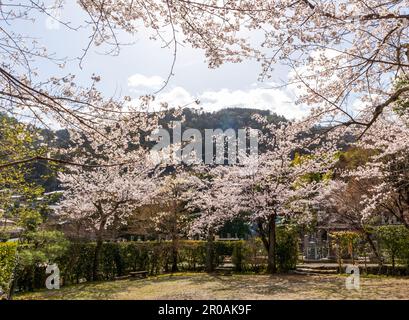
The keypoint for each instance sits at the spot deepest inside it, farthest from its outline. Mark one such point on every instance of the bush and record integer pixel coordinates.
(346, 244)
(394, 241)
(7, 263)
(36, 250)
(254, 255)
(238, 256)
(192, 255)
(249, 255)
(287, 248)
(120, 258)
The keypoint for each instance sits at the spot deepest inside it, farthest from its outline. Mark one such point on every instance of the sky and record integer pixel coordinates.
(142, 66)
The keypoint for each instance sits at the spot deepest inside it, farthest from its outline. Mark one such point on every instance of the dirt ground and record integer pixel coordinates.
(204, 286)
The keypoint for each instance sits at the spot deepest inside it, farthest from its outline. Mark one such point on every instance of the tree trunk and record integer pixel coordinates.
(393, 262)
(98, 248)
(374, 249)
(12, 288)
(97, 254)
(210, 253)
(174, 255)
(271, 262)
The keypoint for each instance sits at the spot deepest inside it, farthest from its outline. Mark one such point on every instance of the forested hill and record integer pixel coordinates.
(234, 118)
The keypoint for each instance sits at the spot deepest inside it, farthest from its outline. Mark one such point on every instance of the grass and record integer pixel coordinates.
(204, 286)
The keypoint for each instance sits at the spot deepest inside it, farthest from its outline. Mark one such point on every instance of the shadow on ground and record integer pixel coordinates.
(204, 286)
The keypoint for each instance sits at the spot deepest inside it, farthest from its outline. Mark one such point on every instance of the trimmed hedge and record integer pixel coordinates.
(120, 258)
(287, 248)
(7, 263)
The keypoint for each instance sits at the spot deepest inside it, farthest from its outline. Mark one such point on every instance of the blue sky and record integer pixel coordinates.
(142, 67)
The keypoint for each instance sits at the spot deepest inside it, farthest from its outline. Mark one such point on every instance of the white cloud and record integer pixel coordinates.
(139, 80)
(176, 97)
(278, 100)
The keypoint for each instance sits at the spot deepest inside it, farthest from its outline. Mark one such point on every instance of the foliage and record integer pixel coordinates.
(36, 250)
(237, 227)
(346, 243)
(287, 248)
(394, 239)
(7, 263)
(354, 157)
(29, 219)
(119, 258)
(17, 142)
(41, 247)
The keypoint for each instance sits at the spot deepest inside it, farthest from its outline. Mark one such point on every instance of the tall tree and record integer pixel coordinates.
(101, 195)
(173, 194)
(268, 186)
(337, 50)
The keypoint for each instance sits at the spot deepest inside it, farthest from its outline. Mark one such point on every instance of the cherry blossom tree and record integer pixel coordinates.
(343, 203)
(216, 201)
(343, 57)
(267, 187)
(24, 90)
(100, 195)
(376, 186)
(174, 193)
(275, 189)
(337, 51)
(388, 168)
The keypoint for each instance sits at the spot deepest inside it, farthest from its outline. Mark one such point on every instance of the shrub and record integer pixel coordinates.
(287, 248)
(120, 258)
(395, 241)
(346, 243)
(254, 255)
(238, 256)
(192, 255)
(36, 250)
(7, 263)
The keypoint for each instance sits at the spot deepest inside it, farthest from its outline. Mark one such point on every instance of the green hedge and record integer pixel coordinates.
(120, 258)
(7, 263)
(287, 248)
